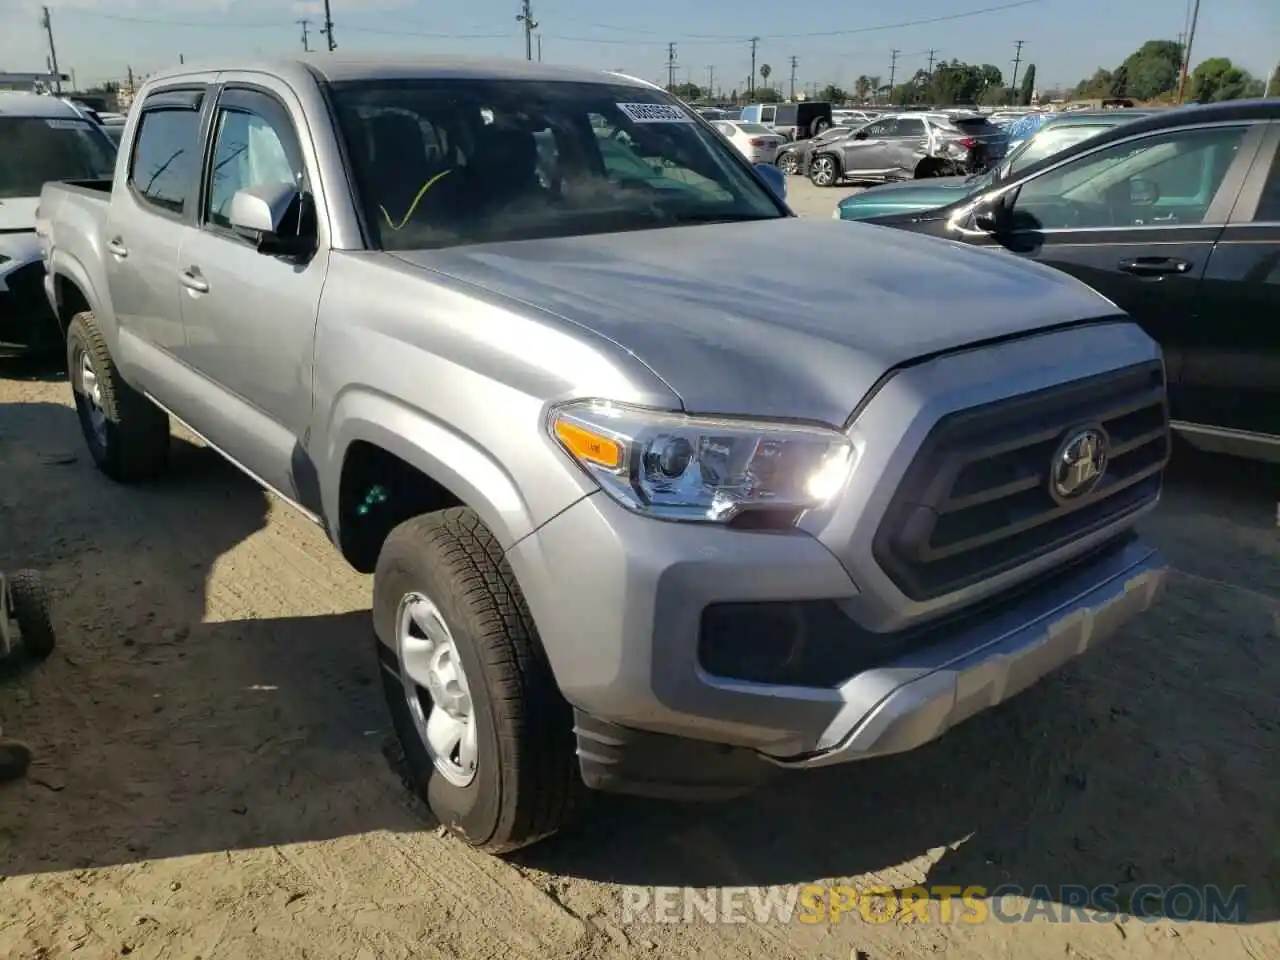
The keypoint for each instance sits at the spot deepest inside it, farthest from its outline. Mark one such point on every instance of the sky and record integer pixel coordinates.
(833, 41)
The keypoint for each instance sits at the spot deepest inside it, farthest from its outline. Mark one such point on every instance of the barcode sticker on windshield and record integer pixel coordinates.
(654, 113)
(59, 124)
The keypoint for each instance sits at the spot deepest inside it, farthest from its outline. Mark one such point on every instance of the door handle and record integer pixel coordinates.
(1152, 266)
(191, 279)
(117, 248)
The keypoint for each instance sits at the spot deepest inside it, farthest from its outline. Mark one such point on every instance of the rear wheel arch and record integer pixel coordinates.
(70, 300)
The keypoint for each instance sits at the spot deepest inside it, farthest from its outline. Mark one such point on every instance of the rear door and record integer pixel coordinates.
(149, 211)
(1137, 220)
(1230, 370)
(908, 142)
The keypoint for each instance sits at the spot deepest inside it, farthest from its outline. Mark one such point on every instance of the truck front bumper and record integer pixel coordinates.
(627, 608)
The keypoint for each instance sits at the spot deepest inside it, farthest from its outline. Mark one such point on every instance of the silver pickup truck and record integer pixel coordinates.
(663, 488)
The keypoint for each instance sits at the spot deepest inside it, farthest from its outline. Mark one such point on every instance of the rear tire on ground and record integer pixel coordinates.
(818, 126)
(522, 782)
(127, 434)
(824, 170)
(31, 605)
(788, 163)
(928, 168)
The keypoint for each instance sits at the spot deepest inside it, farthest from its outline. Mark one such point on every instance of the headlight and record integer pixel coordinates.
(680, 467)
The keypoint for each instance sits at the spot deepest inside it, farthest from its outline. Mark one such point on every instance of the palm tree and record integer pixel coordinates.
(875, 87)
(765, 70)
(861, 86)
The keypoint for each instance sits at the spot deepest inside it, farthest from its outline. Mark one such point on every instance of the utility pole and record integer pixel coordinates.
(929, 69)
(181, 59)
(1017, 59)
(752, 87)
(1186, 58)
(53, 51)
(711, 82)
(671, 67)
(526, 17)
(306, 37)
(893, 69)
(539, 46)
(131, 88)
(327, 29)
(793, 78)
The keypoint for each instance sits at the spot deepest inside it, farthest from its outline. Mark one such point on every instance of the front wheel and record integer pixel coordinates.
(824, 171)
(788, 163)
(487, 737)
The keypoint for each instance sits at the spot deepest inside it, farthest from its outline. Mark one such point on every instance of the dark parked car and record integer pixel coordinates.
(1176, 218)
(910, 146)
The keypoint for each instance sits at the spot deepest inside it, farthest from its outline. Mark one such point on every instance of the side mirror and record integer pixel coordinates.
(775, 178)
(991, 215)
(271, 217)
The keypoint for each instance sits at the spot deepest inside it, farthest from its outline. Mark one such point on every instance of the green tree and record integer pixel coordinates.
(1028, 88)
(876, 86)
(1102, 84)
(1152, 69)
(687, 91)
(1273, 88)
(862, 87)
(994, 96)
(832, 94)
(767, 95)
(1218, 79)
(765, 70)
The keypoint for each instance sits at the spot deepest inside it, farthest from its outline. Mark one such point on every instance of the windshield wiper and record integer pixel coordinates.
(680, 218)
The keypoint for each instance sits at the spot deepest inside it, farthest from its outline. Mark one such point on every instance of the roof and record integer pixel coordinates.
(15, 104)
(339, 68)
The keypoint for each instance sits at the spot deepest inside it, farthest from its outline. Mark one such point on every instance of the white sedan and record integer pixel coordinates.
(754, 141)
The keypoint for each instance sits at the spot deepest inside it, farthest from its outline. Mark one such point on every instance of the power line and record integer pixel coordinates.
(700, 38)
(47, 23)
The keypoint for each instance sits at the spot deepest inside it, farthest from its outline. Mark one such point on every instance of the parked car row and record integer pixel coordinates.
(1174, 216)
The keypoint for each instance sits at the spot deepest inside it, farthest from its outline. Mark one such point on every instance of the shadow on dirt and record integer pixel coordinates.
(157, 734)
(47, 368)
(1153, 761)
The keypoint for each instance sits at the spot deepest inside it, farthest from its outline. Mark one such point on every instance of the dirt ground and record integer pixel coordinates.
(213, 777)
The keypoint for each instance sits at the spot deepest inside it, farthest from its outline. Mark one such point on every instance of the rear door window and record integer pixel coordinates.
(166, 156)
(907, 127)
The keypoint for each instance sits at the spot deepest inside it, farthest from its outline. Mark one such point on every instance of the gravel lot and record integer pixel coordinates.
(212, 779)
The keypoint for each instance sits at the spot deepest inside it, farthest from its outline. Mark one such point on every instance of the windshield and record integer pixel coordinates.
(443, 162)
(35, 150)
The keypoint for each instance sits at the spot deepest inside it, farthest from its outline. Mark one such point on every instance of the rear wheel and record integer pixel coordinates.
(928, 168)
(818, 126)
(487, 737)
(789, 163)
(127, 435)
(824, 170)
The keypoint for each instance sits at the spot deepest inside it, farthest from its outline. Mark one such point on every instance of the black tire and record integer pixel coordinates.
(821, 167)
(31, 606)
(133, 442)
(928, 168)
(527, 783)
(818, 126)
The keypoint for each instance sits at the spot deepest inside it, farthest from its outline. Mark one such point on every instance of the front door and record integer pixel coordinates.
(250, 317)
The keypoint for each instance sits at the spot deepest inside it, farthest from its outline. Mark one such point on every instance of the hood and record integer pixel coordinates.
(791, 318)
(18, 213)
(907, 196)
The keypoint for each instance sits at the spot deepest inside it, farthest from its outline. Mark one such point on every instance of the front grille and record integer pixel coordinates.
(977, 500)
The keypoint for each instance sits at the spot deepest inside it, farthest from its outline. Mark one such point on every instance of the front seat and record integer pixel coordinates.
(399, 165)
